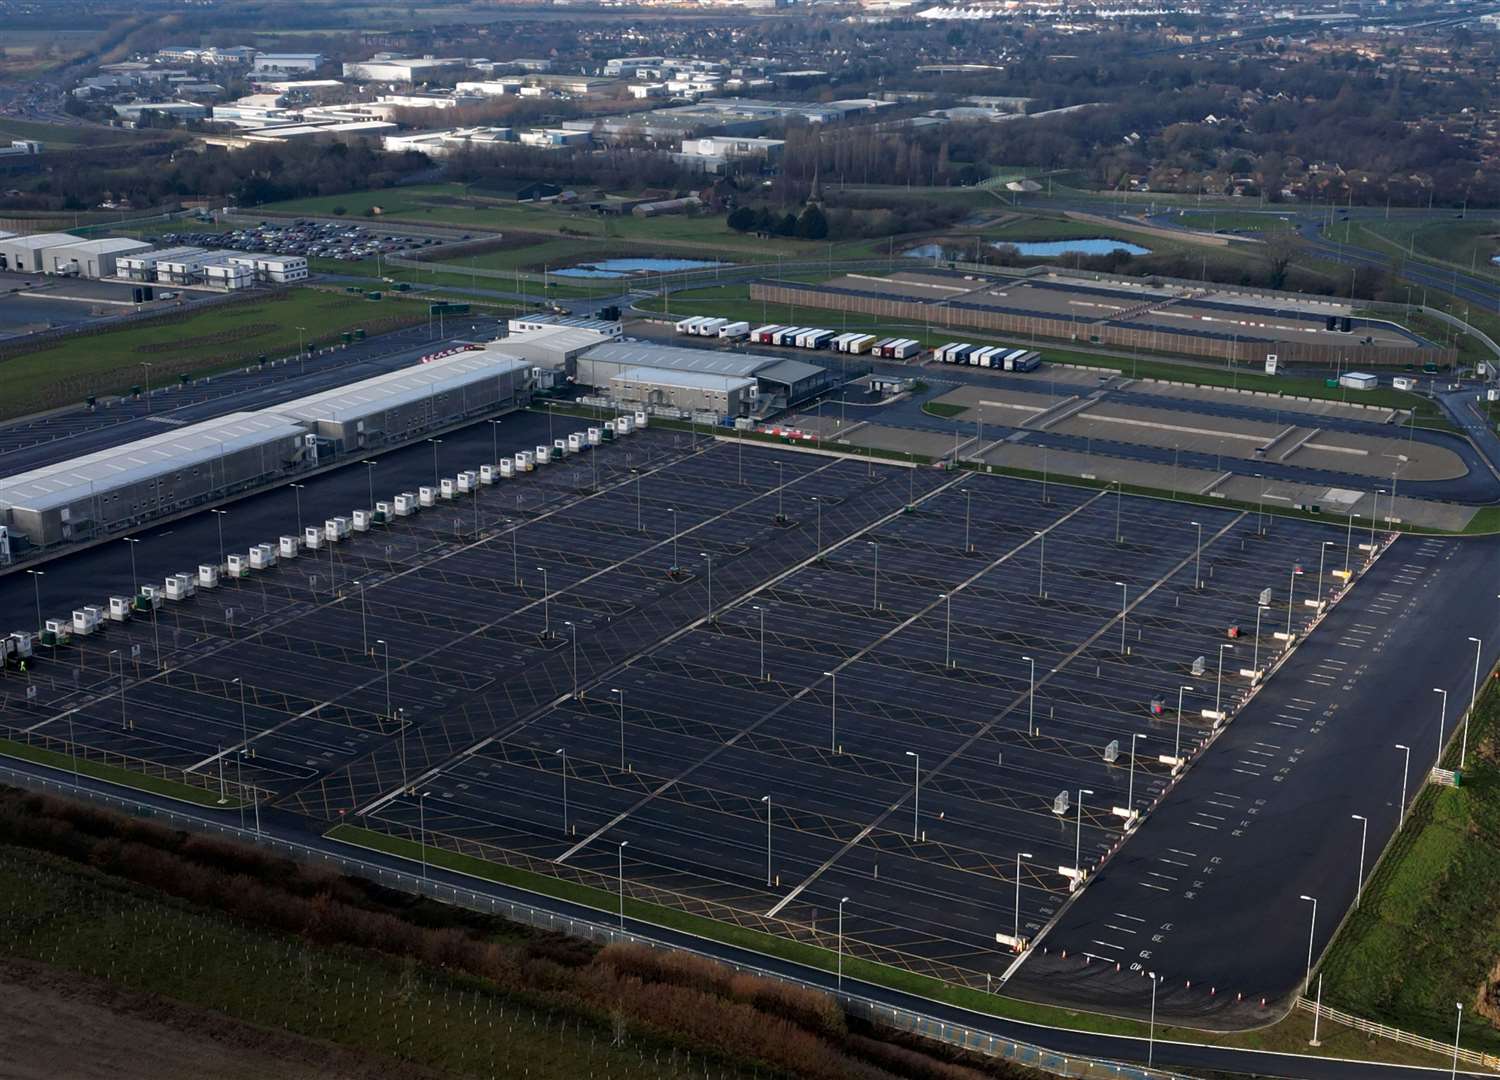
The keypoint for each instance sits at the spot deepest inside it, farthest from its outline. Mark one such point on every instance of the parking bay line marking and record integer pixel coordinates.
(985, 729)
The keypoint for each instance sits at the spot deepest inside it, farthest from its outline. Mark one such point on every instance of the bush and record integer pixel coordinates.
(340, 211)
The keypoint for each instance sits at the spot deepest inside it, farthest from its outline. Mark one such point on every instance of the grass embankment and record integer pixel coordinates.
(454, 275)
(299, 948)
(1269, 221)
(1427, 931)
(196, 343)
(114, 774)
(733, 301)
(1461, 245)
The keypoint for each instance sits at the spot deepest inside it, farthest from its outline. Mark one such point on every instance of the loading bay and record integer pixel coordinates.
(754, 681)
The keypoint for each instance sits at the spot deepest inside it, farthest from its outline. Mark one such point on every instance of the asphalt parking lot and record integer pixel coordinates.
(942, 714)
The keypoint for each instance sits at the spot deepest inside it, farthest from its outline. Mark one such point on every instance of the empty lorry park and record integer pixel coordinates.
(1121, 313)
(768, 687)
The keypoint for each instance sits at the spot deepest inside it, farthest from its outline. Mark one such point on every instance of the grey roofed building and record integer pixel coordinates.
(791, 379)
(692, 391)
(145, 479)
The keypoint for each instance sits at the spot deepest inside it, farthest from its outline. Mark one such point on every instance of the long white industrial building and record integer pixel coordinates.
(123, 487)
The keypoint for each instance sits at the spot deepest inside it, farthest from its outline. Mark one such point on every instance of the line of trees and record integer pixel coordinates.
(661, 997)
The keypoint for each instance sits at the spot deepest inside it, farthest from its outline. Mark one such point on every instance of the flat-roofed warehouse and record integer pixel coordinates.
(776, 376)
(92, 258)
(691, 391)
(27, 254)
(114, 489)
(401, 405)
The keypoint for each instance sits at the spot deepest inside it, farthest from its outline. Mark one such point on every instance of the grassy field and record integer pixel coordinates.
(455, 206)
(733, 301)
(1233, 220)
(210, 340)
(1427, 932)
(453, 275)
(75, 919)
(114, 774)
(1467, 245)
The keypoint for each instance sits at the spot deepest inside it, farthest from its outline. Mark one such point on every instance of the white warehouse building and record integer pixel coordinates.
(91, 258)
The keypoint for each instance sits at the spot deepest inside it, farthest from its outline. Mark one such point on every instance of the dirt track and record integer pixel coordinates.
(58, 1023)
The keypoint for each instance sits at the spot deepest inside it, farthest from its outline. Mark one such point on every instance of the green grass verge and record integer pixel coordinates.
(1427, 931)
(114, 774)
(1269, 221)
(943, 408)
(209, 340)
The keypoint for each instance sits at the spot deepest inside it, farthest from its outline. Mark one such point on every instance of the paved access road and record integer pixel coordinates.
(1206, 895)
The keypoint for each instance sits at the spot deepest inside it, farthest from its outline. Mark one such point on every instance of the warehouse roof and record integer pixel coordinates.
(41, 240)
(695, 380)
(405, 385)
(643, 354)
(109, 245)
(71, 481)
(169, 254)
(790, 372)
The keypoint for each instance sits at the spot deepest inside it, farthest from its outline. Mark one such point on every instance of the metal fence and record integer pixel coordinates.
(904, 1020)
(1407, 1038)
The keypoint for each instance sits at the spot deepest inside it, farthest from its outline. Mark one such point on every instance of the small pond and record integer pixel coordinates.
(618, 268)
(1048, 249)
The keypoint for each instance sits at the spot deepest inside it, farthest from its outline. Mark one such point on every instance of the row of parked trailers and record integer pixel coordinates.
(814, 337)
(89, 619)
(989, 356)
(707, 326)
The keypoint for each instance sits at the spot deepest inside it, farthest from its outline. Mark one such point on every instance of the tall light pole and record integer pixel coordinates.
(1219, 685)
(1442, 725)
(546, 606)
(219, 517)
(762, 611)
(135, 582)
(494, 442)
(297, 494)
(621, 693)
(1405, 775)
(1177, 745)
(916, 791)
(833, 714)
(875, 574)
(1463, 751)
(1041, 566)
(562, 753)
(1198, 557)
(435, 444)
(1124, 598)
(947, 599)
(673, 511)
(1260, 609)
(1322, 554)
(968, 516)
(1078, 839)
(239, 759)
(1291, 590)
(708, 561)
(1312, 929)
(36, 586)
(1130, 789)
(1458, 1031)
(1151, 1038)
(620, 852)
(842, 901)
(1015, 930)
(573, 640)
(370, 477)
(1031, 699)
(1119, 498)
(422, 829)
(1364, 831)
(767, 800)
(364, 627)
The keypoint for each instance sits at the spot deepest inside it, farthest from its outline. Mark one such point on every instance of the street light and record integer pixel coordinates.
(546, 606)
(1405, 774)
(573, 638)
(621, 853)
(219, 515)
(621, 693)
(1031, 699)
(562, 753)
(36, 582)
(1124, 596)
(1177, 746)
(1041, 566)
(1260, 609)
(833, 714)
(916, 791)
(968, 514)
(435, 444)
(422, 829)
(708, 561)
(1442, 724)
(494, 441)
(1453, 1073)
(1463, 751)
(1151, 1037)
(1198, 557)
(1130, 788)
(842, 901)
(297, 494)
(135, 582)
(1219, 686)
(370, 476)
(875, 574)
(1291, 590)
(1322, 554)
(1078, 839)
(1015, 931)
(1119, 496)
(364, 630)
(767, 800)
(1364, 830)
(1312, 928)
(757, 607)
(673, 511)
(947, 599)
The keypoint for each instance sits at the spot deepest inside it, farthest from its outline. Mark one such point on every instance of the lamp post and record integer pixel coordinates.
(1312, 929)
(708, 561)
(435, 444)
(494, 442)
(621, 693)
(1442, 724)
(762, 611)
(135, 582)
(1463, 751)
(842, 901)
(562, 753)
(1291, 590)
(1041, 566)
(1405, 775)
(1322, 554)
(1177, 746)
(546, 606)
(1130, 788)
(297, 494)
(1031, 699)
(36, 583)
(916, 791)
(1151, 1036)
(1458, 1030)
(968, 515)
(767, 800)
(1078, 839)
(364, 629)
(1364, 831)
(1219, 686)
(573, 639)
(1119, 497)
(833, 714)
(370, 477)
(219, 517)
(1015, 931)
(947, 599)
(1124, 598)
(620, 852)
(1198, 557)
(1260, 609)
(673, 511)
(875, 574)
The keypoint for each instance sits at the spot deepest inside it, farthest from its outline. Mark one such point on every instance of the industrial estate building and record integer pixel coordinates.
(134, 260)
(654, 373)
(126, 486)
